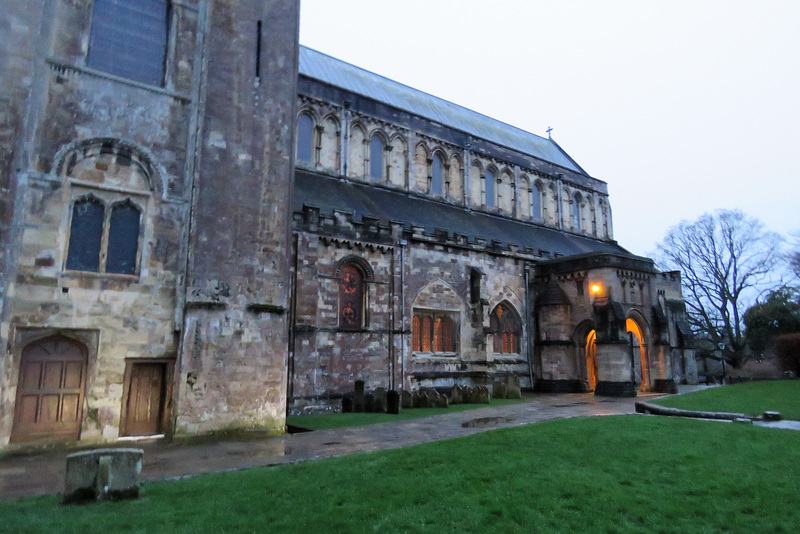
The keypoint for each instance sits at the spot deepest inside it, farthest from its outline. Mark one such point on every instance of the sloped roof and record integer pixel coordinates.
(329, 193)
(340, 74)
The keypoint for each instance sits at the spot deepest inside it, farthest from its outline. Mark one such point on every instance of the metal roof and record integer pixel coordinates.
(340, 74)
(330, 194)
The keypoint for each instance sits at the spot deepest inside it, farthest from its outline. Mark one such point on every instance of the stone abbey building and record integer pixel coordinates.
(205, 225)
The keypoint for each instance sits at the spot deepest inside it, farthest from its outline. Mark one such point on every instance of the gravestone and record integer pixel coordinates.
(393, 402)
(407, 399)
(347, 404)
(358, 396)
(380, 400)
(102, 474)
(456, 396)
(498, 389)
(369, 402)
(513, 390)
(482, 395)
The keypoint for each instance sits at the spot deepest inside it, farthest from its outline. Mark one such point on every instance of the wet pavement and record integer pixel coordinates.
(40, 473)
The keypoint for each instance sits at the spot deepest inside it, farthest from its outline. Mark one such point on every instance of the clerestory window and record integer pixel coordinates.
(129, 39)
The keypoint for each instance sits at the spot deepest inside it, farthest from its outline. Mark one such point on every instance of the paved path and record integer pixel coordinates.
(42, 473)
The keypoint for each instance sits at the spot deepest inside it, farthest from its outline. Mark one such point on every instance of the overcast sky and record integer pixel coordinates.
(683, 107)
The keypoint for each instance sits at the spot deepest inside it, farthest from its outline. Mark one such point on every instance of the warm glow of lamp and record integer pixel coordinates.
(595, 289)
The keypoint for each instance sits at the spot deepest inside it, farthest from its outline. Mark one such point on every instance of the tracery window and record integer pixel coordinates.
(433, 332)
(104, 241)
(376, 155)
(129, 39)
(506, 330)
(351, 298)
(305, 138)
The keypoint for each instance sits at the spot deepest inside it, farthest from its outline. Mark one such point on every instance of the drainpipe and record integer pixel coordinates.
(528, 323)
(392, 325)
(292, 320)
(402, 244)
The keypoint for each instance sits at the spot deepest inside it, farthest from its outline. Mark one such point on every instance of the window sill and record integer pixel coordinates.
(435, 355)
(100, 276)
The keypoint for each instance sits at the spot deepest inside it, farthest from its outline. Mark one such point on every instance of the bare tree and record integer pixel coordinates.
(793, 256)
(727, 260)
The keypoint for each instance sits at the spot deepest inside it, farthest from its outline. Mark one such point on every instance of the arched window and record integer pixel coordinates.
(536, 202)
(305, 138)
(488, 197)
(506, 330)
(576, 211)
(376, 151)
(351, 298)
(86, 235)
(123, 238)
(436, 175)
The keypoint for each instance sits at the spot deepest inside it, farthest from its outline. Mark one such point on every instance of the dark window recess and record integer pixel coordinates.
(351, 298)
(86, 235)
(489, 200)
(579, 287)
(506, 330)
(129, 39)
(123, 239)
(536, 202)
(436, 175)
(258, 49)
(376, 157)
(474, 286)
(305, 137)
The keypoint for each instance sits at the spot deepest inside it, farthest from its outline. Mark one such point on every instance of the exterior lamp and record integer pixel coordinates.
(595, 289)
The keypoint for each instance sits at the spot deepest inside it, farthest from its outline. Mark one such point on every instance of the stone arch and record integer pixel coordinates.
(330, 143)
(360, 262)
(475, 182)
(356, 156)
(585, 344)
(456, 179)
(128, 166)
(506, 194)
(639, 338)
(419, 181)
(577, 211)
(537, 200)
(397, 161)
(438, 294)
(552, 207)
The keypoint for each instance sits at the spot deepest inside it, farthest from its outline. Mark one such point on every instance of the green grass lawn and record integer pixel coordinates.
(337, 420)
(752, 398)
(603, 474)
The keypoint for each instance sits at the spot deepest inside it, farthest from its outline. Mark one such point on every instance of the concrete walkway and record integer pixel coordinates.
(39, 473)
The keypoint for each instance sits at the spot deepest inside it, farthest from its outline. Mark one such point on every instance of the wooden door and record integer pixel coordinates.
(145, 399)
(52, 378)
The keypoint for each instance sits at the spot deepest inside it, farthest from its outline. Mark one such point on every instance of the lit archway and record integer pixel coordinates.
(638, 353)
(591, 359)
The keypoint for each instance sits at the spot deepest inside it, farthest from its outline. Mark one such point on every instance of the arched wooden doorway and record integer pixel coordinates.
(591, 358)
(50, 390)
(638, 353)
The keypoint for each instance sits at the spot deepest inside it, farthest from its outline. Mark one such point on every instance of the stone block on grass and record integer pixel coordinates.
(102, 474)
